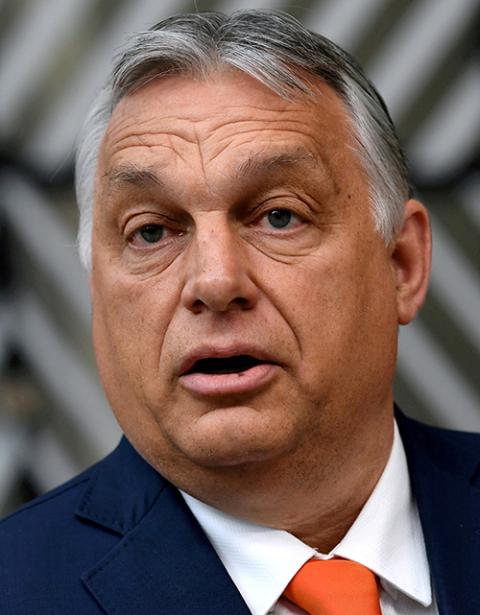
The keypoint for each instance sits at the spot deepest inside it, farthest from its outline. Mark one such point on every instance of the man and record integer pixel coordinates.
(253, 246)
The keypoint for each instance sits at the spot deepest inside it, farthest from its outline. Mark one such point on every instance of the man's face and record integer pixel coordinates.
(244, 307)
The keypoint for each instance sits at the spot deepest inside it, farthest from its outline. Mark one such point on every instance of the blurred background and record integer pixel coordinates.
(423, 56)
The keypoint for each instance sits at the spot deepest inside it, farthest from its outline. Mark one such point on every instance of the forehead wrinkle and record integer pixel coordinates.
(123, 130)
(247, 124)
(119, 129)
(316, 153)
(149, 140)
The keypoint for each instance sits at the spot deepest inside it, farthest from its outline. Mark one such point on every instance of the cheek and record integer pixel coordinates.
(129, 323)
(316, 297)
(342, 309)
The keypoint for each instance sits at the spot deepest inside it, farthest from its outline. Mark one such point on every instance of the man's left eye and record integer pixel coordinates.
(280, 219)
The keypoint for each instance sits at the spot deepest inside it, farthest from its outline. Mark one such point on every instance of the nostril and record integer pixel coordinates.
(238, 303)
(243, 302)
(197, 306)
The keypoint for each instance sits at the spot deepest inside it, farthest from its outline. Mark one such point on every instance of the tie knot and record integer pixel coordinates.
(334, 587)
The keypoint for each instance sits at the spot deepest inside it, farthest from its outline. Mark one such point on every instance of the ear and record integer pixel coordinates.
(411, 261)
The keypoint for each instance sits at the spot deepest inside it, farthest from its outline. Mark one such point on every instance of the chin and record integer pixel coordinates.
(233, 436)
(242, 454)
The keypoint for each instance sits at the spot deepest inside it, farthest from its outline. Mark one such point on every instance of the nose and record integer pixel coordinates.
(218, 277)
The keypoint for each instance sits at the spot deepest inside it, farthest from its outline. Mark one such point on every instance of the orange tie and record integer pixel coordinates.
(334, 587)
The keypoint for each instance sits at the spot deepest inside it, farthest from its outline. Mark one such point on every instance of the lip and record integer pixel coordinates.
(214, 385)
(249, 380)
(216, 352)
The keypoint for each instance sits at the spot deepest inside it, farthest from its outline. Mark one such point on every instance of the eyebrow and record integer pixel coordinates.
(255, 165)
(260, 163)
(136, 176)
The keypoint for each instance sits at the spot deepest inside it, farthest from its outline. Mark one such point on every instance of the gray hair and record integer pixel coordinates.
(278, 51)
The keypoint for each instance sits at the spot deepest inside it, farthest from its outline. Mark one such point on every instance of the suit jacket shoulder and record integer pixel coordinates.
(444, 471)
(117, 539)
(40, 546)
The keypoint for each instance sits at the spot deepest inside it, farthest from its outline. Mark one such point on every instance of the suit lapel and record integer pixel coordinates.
(444, 480)
(164, 563)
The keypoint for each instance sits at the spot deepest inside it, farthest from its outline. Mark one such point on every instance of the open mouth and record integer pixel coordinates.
(224, 365)
(234, 374)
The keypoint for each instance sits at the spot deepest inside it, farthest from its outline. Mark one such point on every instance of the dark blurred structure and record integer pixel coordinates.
(424, 58)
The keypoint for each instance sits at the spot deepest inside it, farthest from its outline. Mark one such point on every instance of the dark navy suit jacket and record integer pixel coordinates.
(118, 539)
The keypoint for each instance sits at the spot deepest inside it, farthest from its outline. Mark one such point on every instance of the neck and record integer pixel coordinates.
(322, 526)
(314, 497)
(328, 508)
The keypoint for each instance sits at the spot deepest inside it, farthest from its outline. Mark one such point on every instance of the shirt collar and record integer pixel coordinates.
(386, 537)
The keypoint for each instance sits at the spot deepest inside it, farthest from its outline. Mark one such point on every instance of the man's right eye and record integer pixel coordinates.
(150, 233)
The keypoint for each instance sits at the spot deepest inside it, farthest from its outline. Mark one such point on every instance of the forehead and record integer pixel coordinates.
(222, 120)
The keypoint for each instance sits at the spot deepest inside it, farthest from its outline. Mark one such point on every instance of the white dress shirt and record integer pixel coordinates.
(386, 537)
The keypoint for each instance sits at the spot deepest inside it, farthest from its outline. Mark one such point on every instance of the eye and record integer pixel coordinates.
(152, 233)
(280, 219)
(148, 234)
